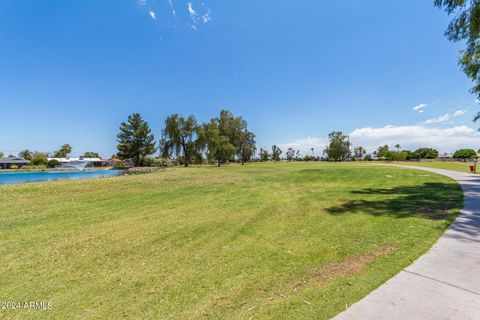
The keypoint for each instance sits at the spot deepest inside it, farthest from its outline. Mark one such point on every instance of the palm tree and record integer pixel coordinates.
(182, 137)
(313, 153)
(397, 146)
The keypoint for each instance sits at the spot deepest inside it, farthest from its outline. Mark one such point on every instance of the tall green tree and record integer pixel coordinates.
(338, 148)
(247, 146)
(182, 137)
(218, 147)
(135, 140)
(236, 130)
(465, 26)
(2, 154)
(63, 152)
(25, 154)
(276, 153)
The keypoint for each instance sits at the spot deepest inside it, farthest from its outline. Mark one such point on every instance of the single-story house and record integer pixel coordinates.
(7, 163)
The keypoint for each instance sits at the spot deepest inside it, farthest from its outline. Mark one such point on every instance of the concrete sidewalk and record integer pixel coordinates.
(442, 284)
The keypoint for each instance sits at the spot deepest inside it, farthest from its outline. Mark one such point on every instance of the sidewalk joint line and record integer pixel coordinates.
(440, 281)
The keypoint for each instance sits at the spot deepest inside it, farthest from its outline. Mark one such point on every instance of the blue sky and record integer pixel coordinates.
(71, 71)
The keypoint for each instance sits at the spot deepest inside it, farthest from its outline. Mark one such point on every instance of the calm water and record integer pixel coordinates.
(20, 177)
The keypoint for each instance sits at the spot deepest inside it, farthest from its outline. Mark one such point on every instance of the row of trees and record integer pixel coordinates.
(223, 138)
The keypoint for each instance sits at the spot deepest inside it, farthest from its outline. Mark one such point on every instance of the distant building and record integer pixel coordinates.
(445, 157)
(80, 162)
(7, 163)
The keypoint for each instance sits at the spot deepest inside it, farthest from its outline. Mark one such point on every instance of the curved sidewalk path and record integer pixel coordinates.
(442, 284)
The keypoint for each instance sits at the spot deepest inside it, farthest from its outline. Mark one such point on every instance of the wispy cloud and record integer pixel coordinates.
(439, 119)
(172, 8)
(460, 112)
(142, 3)
(152, 15)
(206, 16)
(420, 108)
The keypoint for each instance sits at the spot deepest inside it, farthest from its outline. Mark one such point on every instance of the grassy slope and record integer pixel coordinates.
(277, 241)
(455, 166)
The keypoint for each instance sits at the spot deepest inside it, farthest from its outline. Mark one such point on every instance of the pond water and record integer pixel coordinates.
(36, 176)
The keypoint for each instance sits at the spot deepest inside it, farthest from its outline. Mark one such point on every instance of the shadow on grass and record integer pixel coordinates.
(429, 201)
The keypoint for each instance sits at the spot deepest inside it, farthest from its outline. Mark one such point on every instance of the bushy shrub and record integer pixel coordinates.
(53, 163)
(39, 159)
(368, 157)
(120, 165)
(396, 156)
(162, 162)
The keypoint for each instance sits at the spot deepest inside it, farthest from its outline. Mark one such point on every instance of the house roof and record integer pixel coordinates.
(13, 161)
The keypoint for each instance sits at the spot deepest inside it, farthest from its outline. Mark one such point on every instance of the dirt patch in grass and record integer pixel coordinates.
(350, 266)
(347, 267)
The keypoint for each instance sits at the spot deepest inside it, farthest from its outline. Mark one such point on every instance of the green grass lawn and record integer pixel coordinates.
(455, 166)
(261, 241)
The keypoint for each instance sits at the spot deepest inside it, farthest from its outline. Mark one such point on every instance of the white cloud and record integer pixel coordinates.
(420, 107)
(459, 113)
(439, 119)
(206, 17)
(415, 136)
(153, 15)
(191, 11)
(142, 3)
(305, 145)
(172, 8)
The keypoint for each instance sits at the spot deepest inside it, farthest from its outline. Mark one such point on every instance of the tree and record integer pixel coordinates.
(25, 154)
(382, 151)
(297, 155)
(396, 156)
(338, 148)
(465, 154)
(264, 155)
(313, 151)
(135, 140)
(39, 158)
(235, 129)
(276, 153)
(63, 152)
(425, 153)
(182, 137)
(290, 154)
(465, 26)
(247, 146)
(398, 147)
(359, 152)
(218, 147)
(2, 154)
(90, 154)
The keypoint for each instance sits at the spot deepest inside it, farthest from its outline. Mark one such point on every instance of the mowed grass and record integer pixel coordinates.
(454, 166)
(261, 241)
